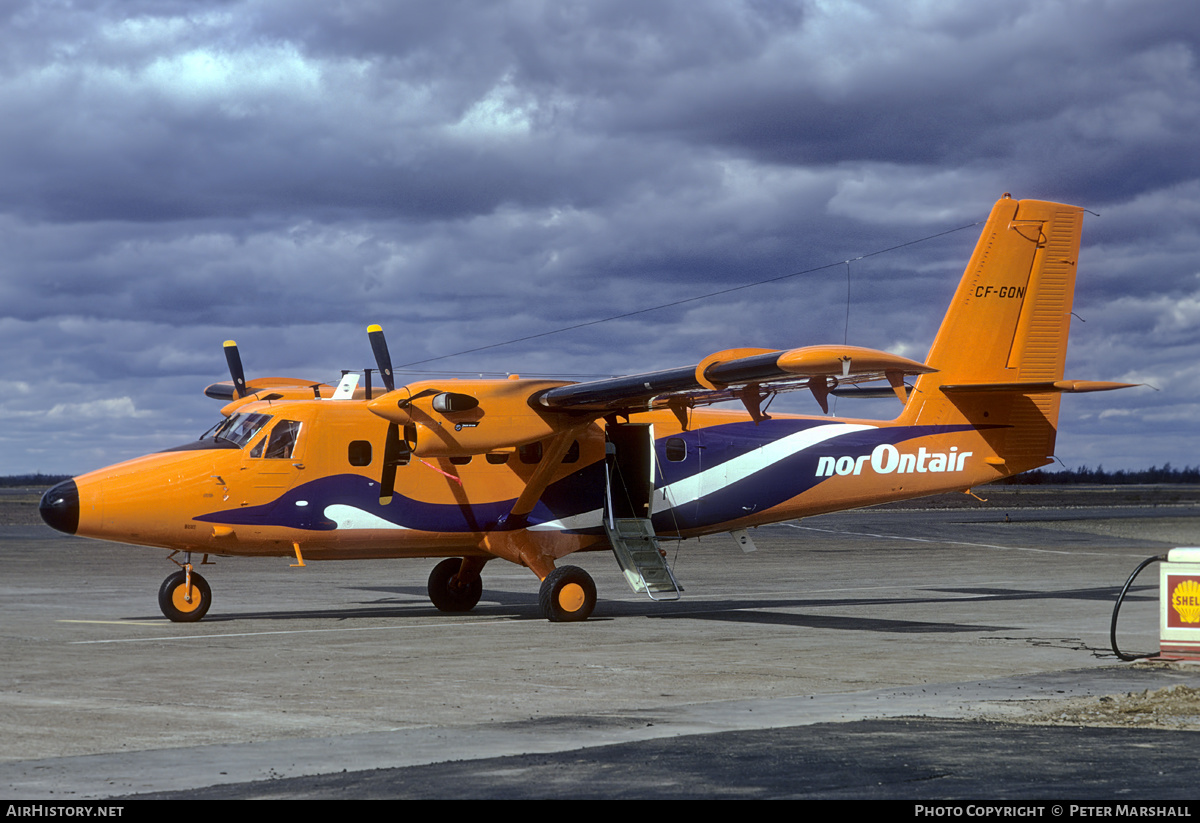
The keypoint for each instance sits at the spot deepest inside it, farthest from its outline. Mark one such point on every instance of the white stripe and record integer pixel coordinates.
(739, 468)
(718, 477)
(587, 520)
(352, 517)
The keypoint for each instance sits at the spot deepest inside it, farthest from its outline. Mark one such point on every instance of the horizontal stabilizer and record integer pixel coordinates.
(863, 393)
(1041, 387)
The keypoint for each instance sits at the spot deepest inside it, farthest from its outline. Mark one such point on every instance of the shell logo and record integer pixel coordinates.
(1186, 601)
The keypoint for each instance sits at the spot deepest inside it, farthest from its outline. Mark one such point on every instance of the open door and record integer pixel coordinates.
(630, 470)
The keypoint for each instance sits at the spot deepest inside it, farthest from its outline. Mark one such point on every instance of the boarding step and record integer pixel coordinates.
(636, 548)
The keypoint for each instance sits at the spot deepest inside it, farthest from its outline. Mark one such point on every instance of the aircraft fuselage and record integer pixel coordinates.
(725, 472)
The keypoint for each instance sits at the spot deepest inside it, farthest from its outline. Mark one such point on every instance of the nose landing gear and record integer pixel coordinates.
(184, 596)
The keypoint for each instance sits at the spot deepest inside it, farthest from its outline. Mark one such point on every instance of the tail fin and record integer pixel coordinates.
(1002, 346)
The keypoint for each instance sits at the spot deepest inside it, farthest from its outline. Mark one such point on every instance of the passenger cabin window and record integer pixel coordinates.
(676, 449)
(531, 453)
(572, 455)
(281, 442)
(359, 453)
(460, 461)
(497, 458)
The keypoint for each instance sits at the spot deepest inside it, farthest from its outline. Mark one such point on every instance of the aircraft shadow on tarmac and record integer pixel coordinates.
(412, 601)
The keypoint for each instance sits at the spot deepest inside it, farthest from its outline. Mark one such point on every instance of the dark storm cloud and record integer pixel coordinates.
(468, 173)
(334, 112)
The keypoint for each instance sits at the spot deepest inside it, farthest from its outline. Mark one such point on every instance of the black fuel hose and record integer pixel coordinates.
(1117, 608)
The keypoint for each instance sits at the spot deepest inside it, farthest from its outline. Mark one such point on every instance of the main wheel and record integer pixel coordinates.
(450, 591)
(567, 595)
(174, 601)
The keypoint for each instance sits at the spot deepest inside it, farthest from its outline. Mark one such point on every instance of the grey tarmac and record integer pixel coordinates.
(851, 655)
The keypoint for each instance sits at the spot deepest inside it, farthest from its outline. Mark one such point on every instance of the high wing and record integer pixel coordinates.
(292, 388)
(749, 375)
(449, 418)
(456, 418)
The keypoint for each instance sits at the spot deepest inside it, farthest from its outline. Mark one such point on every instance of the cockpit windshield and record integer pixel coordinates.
(239, 429)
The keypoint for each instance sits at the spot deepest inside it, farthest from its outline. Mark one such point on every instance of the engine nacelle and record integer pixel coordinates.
(455, 418)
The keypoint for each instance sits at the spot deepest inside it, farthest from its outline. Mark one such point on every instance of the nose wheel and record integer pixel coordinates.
(184, 597)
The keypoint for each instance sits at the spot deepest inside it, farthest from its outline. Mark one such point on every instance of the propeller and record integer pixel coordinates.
(392, 456)
(396, 451)
(399, 447)
(382, 358)
(235, 368)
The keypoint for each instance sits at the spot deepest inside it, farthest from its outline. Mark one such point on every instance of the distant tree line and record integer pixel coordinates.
(39, 479)
(1155, 474)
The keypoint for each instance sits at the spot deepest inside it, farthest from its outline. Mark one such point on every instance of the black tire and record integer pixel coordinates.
(453, 595)
(175, 607)
(568, 595)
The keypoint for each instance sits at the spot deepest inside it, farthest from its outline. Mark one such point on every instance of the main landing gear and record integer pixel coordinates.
(568, 593)
(184, 596)
(455, 585)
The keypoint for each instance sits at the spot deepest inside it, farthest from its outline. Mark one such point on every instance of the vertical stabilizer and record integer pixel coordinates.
(1007, 327)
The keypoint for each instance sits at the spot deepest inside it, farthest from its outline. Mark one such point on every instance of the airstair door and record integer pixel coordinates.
(629, 489)
(630, 470)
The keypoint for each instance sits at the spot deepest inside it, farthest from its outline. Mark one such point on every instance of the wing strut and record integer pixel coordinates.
(552, 456)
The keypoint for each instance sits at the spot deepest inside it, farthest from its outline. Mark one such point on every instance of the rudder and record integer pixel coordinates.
(1006, 328)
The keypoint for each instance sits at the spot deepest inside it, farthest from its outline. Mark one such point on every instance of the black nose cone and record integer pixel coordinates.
(60, 507)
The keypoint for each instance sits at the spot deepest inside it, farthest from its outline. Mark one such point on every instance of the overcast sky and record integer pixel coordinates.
(284, 173)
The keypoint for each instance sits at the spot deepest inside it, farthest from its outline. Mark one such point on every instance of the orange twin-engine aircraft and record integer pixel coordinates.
(532, 470)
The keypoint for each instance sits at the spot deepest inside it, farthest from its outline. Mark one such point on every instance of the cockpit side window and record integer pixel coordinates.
(282, 440)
